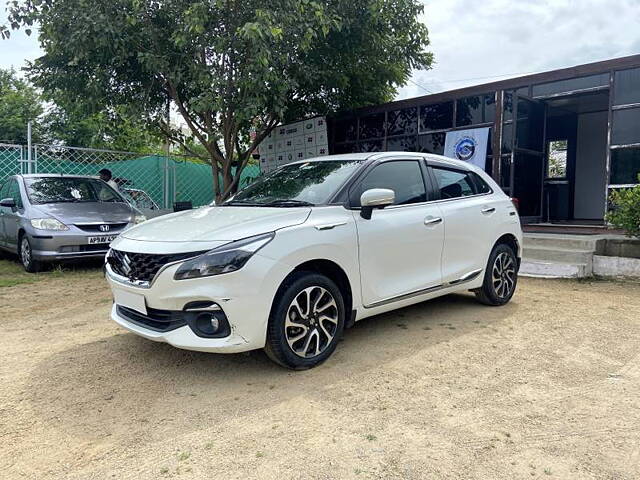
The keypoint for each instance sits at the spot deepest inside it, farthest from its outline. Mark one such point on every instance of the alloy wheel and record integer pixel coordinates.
(504, 275)
(311, 322)
(25, 252)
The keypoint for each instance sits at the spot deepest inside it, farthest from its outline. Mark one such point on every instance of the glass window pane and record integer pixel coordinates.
(530, 125)
(402, 144)
(371, 146)
(626, 126)
(489, 108)
(557, 159)
(14, 192)
(453, 183)
(436, 117)
(469, 111)
(505, 171)
(345, 130)
(507, 138)
(571, 85)
(527, 183)
(481, 185)
(402, 122)
(507, 107)
(625, 166)
(626, 87)
(372, 126)
(404, 178)
(345, 148)
(432, 143)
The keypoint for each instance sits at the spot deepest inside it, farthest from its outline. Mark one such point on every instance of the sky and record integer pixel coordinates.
(479, 41)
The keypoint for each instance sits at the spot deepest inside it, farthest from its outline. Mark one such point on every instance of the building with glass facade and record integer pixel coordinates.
(559, 141)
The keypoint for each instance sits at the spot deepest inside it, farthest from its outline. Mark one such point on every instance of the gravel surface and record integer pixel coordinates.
(546, 387)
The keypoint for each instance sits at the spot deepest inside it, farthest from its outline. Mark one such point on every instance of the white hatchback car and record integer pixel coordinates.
(301, 254)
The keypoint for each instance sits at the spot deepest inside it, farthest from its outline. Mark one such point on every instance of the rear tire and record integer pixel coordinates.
(500, 277)
(25, 254)
(306, 321)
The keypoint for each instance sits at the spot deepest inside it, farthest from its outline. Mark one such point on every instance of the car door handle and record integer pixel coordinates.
(487, 211)
(432, 221)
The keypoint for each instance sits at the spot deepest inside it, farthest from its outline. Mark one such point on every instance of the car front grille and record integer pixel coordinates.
(143, 267)
(102, 227)
(158, 320)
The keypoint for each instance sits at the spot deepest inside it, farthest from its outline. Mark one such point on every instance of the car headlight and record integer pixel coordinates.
(139, 219)
(225, 259)
(48, 224)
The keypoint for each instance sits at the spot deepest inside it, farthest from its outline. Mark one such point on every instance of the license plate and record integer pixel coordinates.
(101, 239)
(135, 301)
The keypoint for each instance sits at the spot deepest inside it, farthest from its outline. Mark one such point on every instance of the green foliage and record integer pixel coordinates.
(229, 68)
(625, 213)
(19, 104)
(73, 124)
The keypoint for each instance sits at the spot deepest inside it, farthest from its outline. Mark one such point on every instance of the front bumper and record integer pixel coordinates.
(245, 297)
(60, 246)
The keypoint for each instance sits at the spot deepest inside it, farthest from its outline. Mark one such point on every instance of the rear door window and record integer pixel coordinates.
(403, 177)
(453, 183)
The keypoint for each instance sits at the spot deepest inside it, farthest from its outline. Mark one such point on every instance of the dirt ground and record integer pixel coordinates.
(546, 387)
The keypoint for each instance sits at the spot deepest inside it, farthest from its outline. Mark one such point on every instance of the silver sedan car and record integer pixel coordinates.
(47, 218)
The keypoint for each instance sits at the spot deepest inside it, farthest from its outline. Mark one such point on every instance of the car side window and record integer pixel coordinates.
(14, 192)
(453, 183)
(482, 187)
(403, 177)
(4, 190)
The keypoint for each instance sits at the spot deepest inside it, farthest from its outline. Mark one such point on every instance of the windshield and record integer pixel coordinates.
(309, 183)
(43, 190)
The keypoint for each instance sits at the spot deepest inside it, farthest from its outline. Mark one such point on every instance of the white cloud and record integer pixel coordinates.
(481, 41)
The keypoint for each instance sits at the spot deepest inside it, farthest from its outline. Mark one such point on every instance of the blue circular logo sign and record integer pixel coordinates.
(465, 148)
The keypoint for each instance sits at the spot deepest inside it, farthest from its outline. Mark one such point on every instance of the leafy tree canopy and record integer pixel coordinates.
(73, 124)
(19, 104)
(229, 67)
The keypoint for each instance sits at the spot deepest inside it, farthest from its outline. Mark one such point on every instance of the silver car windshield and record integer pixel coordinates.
(42, 190)
(310, 183)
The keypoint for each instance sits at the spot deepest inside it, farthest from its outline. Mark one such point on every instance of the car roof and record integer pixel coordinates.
(390, 155)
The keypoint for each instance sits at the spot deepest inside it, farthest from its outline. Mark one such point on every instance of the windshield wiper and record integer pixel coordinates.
(289, 203)
(242, 203)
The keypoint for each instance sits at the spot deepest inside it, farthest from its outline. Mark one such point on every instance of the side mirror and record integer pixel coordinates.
(8, 203)
(375, 198)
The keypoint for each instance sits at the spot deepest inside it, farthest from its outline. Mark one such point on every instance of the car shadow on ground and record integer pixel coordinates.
(99, 387)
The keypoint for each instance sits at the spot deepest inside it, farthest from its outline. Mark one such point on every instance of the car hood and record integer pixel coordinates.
(88, 212)
(214, 224)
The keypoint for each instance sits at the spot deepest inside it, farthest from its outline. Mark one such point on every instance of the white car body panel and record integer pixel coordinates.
(395, 259)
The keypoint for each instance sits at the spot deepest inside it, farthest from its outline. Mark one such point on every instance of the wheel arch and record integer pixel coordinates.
(511, 241)
(336, 273)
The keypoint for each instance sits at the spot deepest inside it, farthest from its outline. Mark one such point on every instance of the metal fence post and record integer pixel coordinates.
(29, 153)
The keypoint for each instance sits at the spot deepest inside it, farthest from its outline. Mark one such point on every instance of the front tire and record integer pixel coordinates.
(25, 253)
(306, 321)
(500, 277)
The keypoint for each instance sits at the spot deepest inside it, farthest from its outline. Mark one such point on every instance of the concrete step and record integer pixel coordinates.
(542, 269)
(578, 242)
(559, 255)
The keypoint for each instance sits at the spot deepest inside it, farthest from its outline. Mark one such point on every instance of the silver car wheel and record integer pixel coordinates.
(503, 275)
(25, 252)
(311, 322)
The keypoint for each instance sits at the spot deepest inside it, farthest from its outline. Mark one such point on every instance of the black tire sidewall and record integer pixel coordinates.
(277, 346)
(487, 286)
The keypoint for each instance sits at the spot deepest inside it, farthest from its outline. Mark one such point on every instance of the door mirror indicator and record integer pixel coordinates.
(8, 203)
(375, 198)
